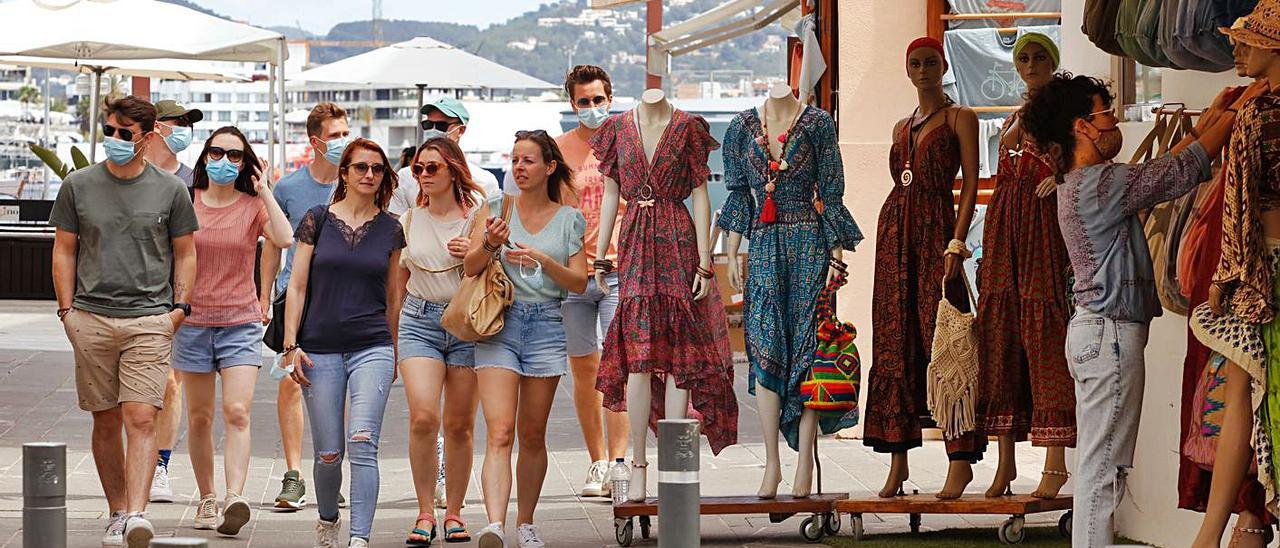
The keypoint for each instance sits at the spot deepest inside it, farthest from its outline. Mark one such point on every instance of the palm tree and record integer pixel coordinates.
(27, 95)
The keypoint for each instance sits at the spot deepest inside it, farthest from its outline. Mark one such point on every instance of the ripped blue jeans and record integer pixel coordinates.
(1106, 359)
(365, 377)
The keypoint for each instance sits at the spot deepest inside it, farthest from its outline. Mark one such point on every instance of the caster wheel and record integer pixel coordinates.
(855, 525)
(645, 524)
(811, 530)
(831, 524)
(1064, 524)
(623, 531)
(915, 523)
(1011, 531)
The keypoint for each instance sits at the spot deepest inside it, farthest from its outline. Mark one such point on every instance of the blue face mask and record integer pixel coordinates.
(593, 117)
(179, 139)
(432, 134)
(333, 149)
(222, 171)
(119, 152)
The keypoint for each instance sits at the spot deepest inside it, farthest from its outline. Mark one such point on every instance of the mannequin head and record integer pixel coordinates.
(1263, 63)
(1260, 31)
(1240, 51)
(537, 163)
(1035, 57)
(926, 63)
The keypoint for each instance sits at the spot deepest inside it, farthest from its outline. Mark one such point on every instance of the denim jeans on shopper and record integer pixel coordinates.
(1106, 360)
(363, 376)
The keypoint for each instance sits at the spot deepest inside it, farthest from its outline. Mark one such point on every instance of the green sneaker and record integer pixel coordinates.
(293, 492)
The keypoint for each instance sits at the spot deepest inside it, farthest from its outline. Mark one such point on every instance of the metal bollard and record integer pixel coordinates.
(44, 495)
(180, 542)
(679, 487)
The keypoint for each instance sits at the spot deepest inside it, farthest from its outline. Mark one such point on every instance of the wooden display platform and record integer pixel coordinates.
(824, 520)
(916, 505)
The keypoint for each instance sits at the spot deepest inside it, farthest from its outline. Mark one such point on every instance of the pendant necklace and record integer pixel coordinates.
(907, 175)
(768, 210)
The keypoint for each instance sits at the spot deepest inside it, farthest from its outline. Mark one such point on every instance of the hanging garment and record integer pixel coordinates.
(973, 242)
(999, 7)
(812, 64)
(1197, 29)
(981, 71)
(915, 225)
(1138, 30)
(989, 130)
(787, 259)
(659, 328)
(1100, 24)
(1023, 309)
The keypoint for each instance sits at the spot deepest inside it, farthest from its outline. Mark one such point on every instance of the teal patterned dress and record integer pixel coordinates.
(787, 259)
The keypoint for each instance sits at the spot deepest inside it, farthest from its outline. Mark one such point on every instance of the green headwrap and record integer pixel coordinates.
(1037, 38)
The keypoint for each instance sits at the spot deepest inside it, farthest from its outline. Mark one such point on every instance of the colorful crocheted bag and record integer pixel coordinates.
(835, 376)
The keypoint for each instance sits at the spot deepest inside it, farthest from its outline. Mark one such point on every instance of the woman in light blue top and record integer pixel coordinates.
(519, 368)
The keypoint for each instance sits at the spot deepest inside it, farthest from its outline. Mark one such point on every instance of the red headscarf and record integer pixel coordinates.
(927, 42)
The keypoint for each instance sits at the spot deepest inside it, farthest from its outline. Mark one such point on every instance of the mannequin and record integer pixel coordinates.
(920, 248)
(1241, 299)
(808, 193)
(655, 208)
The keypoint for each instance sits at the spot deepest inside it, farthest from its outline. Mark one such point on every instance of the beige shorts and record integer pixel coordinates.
(119, 359)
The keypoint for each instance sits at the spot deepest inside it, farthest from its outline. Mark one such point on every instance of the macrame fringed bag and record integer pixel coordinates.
(952, 379)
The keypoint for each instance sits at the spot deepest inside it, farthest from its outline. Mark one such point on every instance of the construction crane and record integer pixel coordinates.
(376, 42)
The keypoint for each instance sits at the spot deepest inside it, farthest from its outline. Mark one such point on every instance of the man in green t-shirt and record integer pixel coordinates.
(123, 226)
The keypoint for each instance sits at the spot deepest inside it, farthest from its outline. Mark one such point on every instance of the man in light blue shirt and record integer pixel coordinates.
(297, 192)
(1098, 205)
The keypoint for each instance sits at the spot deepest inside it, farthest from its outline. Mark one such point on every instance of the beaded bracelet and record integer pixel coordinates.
(603, 265)
(490, 247)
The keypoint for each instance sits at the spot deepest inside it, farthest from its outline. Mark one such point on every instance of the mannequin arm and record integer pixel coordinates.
(837, 253)
(608, 216)
(967, 129)
(731, 248)
(702, 231)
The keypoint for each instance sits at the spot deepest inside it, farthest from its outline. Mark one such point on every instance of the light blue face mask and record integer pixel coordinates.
(179, 139)
(222, 171)
(432, 134)
(119, 152)
(593, 117)
(333, 149)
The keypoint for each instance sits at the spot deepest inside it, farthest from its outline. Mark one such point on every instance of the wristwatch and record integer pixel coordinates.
(184, 307)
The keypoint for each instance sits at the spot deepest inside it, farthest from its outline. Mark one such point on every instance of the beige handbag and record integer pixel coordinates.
(952, 379)
(477, 310)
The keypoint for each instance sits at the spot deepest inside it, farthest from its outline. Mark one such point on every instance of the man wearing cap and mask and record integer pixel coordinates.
(172, 135)
(174, 124)
(443, 117)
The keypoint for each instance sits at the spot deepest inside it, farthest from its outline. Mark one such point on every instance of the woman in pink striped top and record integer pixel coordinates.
(223, 332)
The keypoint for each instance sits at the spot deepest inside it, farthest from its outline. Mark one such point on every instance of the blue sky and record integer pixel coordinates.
(319, 16)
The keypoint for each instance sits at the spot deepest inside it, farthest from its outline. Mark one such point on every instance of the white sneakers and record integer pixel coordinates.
(492, 536)
(206, 513)
(160, 489)
(138, 532)
(327, 533)
(529, 536)
(358, 543)
(115, 530)
(234, 515)
(597, 484)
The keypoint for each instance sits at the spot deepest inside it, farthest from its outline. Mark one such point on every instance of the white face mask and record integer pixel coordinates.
(594, 117)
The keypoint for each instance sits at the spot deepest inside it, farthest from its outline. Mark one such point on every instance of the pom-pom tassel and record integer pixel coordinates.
(769, 211)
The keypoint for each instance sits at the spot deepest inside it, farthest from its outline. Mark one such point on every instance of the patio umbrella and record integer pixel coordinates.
(168, 69)
(110, 29)
(422, 62)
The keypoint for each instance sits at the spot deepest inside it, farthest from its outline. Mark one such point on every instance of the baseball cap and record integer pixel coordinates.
(169, 109)
(450, 107)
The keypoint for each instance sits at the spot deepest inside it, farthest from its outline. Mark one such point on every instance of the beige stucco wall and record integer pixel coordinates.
(874, 94)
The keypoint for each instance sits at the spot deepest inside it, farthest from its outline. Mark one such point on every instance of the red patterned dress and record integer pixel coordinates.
(915, 224)
(659, 328)
(1022, 307)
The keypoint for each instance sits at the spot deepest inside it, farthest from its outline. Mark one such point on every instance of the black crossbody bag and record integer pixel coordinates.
(273, 337)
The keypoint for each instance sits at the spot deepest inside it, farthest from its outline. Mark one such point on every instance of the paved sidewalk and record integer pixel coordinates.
(37, 403)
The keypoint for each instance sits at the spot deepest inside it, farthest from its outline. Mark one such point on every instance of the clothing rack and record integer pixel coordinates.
(985, 110)
(1164, 109)
(1011, 15)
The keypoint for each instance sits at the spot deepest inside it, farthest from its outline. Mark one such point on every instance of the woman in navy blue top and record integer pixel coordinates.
(342, 345)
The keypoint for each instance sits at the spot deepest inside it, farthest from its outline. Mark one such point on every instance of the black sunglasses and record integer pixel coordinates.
(123, 134)
(527, 134)
(430, 168)
(584, 102)
(441, 125)
(235, 155)
(361, 168)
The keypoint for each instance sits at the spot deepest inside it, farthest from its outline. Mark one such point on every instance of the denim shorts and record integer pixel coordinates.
(421, 335)
(531, 342)
(212, 349)
(587, 316)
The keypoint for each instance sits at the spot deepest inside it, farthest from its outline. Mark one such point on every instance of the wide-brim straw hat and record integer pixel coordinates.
(1260, 29)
